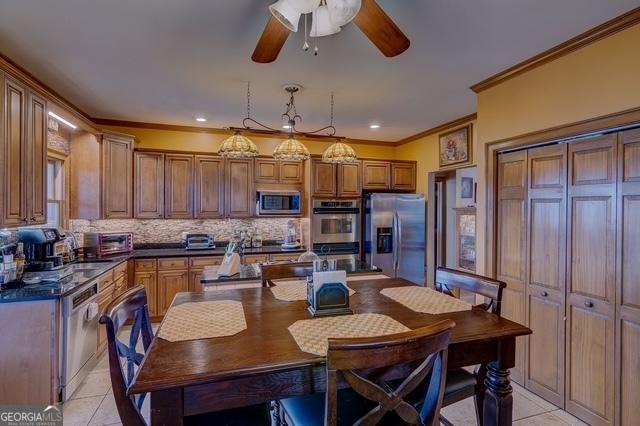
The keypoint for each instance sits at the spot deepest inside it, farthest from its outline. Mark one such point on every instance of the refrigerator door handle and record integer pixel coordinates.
(398, 247)
(395, 241)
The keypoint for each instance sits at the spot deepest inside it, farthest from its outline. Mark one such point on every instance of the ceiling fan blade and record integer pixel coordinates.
(380, 29)
(271, 42)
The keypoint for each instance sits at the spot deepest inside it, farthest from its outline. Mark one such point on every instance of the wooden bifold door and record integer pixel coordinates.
(568, 227)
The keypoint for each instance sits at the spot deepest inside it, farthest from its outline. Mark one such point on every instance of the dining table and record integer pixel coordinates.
(263, 362)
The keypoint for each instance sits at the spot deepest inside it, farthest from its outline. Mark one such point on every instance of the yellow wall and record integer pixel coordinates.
(425, 152)
(599, 79)
(210, 142)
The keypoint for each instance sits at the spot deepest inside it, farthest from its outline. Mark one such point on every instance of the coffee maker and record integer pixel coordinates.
(43, 248)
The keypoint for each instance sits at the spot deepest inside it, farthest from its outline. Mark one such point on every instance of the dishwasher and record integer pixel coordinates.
(79, 337)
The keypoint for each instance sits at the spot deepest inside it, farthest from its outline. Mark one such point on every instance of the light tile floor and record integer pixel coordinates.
(93, 404)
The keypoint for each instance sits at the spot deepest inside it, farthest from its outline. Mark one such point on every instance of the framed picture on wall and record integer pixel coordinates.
(455, 148)
(466, 187)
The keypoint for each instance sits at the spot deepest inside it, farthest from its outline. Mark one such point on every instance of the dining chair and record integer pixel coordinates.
(363, 364)
(124, 359)
(462, 384)
(284, 270)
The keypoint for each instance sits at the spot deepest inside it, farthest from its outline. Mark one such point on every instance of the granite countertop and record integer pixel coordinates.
(252, 272)
(83, 272)
(142, 253)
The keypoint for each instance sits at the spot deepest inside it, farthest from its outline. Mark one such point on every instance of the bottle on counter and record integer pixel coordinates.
(20, 260)
(257, 241)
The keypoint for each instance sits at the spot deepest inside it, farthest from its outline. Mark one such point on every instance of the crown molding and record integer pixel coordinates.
(457, 122)
(593, 35)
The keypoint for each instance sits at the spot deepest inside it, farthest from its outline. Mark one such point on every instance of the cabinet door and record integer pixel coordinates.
(547, 169)
(169, 284)
(117, 180)
(403, 176)
(376, 175)
(324, 178)
(292, 172)
(194, 280)
(178, 186)
(36, 168)
(591, 273)
(149, 281)
(148, 185)
(511, 242)
(239, 189)
(14, 154)
(267, 171)
(209, 187)
(249, 259)
(628, 286)
(349, 180)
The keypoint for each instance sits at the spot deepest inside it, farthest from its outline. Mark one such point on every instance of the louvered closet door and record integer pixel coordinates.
(628, 288)
(547, 172)
(591, 279)
(511, 244)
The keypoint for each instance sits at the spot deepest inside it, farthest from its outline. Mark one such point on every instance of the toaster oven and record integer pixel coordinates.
(108, 243)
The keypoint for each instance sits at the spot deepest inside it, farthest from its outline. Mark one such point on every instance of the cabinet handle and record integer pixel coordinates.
(588, 304)
(33, 219)
(544, 294)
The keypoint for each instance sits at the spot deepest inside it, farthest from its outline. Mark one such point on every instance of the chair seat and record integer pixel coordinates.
(309, 410)
(255, 415)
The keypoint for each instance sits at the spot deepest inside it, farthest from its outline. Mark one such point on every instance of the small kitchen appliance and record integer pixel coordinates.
(43, 248)
(200, 241)
(335, 228)
(291, 237)
(107, 243)
(279, 203)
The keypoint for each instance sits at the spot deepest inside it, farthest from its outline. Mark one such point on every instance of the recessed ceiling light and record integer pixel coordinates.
(374, 126)
(286, 126)
(201, 119)
(62, 120)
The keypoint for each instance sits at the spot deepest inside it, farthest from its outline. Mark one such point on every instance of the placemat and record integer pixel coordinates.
(425, 300)
(292, 291)
(202, 320)
(312, 335)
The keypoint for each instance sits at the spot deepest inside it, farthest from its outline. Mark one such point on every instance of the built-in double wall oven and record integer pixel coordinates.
(335, 227)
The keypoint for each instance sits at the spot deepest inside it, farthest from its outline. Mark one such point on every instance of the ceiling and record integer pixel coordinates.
(166, 61)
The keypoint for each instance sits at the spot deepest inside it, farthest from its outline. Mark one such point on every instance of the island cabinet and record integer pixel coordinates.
(336, 180)
(23, 147)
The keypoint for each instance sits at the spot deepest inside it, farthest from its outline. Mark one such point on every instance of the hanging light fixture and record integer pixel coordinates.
(321, 23)
(339, 152)
(238, 145)
(291, 149)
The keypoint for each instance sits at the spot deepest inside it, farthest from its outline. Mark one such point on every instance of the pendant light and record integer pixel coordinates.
(238, 146)
(342, 12)
(291, 150)
(339, 153)
(321, 23)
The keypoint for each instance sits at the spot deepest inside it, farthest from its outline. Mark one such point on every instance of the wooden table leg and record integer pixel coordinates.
(481, 374)
(498, 401)
(167, 407)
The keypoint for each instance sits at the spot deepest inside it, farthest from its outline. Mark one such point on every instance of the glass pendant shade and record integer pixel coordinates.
(238, 146)
(291, 149)
(305, 6)
(321, 24)
(342, 12)
(339, 152)
(287, 13)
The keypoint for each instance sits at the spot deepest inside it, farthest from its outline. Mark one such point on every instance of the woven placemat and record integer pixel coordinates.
(294, 291)
(312, 335)
(425, 300)
(202, 320)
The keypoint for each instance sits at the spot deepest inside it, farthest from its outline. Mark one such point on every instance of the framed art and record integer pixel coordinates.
(455, 147)
(466, 187)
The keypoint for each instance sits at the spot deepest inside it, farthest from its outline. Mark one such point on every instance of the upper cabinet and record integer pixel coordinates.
(266, 170)
(376, 175)
(148, 185)
(240, 197)
(291, 172)
(208, 187)
(323, 179)
(274, 171)
(23, 144)
(403, 176)
(178, 186)
(117, 175)
(349, 182)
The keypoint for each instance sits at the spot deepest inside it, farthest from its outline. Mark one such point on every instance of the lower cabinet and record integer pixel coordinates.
(169, 284)
(149, 280)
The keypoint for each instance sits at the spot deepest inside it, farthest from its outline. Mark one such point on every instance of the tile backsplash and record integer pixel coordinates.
(167, 231)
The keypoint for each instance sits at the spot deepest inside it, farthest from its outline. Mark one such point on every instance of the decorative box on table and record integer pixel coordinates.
(327, 292)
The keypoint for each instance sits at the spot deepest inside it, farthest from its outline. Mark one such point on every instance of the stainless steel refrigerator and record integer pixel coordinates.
(395, 234)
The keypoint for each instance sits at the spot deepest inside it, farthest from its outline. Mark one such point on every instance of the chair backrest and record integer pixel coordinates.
(350, 357)
(132, 304)
(284, 270)
(448, 279)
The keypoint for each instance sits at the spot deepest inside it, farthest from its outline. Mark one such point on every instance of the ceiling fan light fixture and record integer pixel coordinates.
(343, 11)
(238, 146)
(321, 23)
(291, 149)
(339, 153)
(305, 6)
(287, 12)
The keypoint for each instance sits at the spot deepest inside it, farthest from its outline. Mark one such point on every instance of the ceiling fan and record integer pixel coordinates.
(327, 18)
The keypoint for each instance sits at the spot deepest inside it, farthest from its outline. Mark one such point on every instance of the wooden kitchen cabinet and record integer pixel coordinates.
(169, 284)
(178, 186)
(349, 182)
(239, 195)
(24, 151)
(266, 170)
(403, 176)
(291, 172)
(324, 179)
(117, 176)
(148, 185)
(376, 175)
(149, 280)
(208, 187)
(249, 259)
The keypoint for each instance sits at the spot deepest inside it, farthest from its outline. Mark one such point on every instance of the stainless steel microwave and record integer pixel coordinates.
(279, 203)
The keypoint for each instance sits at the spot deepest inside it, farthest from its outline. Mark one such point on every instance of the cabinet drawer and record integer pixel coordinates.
(120, 271)
(282, 257)
(145, 265)
(173, 263)
(201, 262)
(105, 281)
(255, 258)
(120, 284)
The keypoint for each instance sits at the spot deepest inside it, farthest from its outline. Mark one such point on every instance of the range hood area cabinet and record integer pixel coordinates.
(112, 155)
(23, 159)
